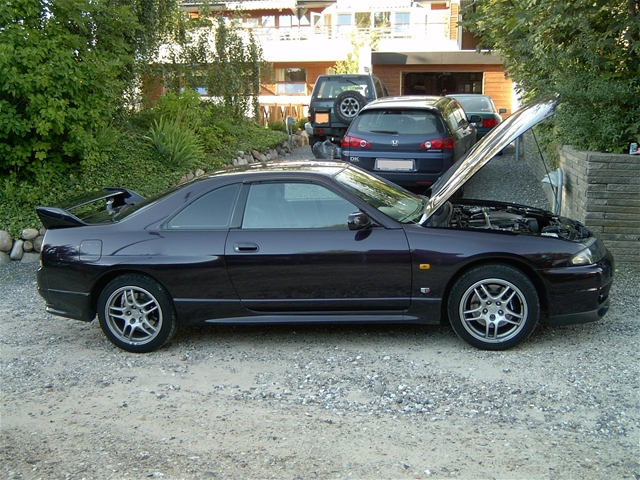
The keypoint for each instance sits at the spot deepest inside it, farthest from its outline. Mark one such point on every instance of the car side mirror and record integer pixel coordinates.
(358, 221)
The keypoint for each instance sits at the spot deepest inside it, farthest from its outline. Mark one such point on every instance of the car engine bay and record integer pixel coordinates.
(509, 218)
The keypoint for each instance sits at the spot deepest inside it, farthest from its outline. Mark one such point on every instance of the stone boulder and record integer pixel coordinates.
(6, 242)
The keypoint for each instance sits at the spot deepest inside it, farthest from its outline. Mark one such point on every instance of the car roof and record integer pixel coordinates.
(413, 101)
(282, 167)
(474, 95)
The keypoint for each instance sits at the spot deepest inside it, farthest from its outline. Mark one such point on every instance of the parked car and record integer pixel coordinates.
(483, 107)
(336, 100)
(311, 241)
(409, 140)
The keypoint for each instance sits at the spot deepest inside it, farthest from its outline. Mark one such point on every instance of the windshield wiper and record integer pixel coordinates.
(392, 132)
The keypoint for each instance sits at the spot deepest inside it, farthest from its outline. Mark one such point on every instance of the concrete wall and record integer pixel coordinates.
(601, 190)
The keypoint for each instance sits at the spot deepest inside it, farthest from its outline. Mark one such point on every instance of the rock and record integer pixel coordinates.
(199, 172)
(27, 246)
(17, 250)
(6, 242)
(30, 257)
(378, 388)
(42, 231)
(256, 154)
(37, 243)
(4, 258)
(29, 234)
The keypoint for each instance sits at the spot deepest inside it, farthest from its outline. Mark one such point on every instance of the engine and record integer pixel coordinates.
(517, 219)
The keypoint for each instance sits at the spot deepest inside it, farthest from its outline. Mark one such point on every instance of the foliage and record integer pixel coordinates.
(351, 64)
(587, 50)
(177, 145)
(61, 64)
(278, 126)
(124, 158)
(66, 67)
(216, 54)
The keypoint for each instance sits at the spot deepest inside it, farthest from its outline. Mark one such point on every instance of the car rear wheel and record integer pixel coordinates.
(136, 314)
(347, 105)
(493, 307)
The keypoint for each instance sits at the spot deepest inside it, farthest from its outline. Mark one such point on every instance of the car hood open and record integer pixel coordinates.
(487, 148)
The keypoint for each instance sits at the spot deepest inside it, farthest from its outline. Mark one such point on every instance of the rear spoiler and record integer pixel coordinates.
(115, 199)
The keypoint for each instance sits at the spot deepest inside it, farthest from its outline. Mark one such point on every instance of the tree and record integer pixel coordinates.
(586, 50)
(217, 54)
(64, 65)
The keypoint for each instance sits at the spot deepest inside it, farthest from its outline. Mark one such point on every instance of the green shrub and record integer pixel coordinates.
(277, 126)
(178, 146)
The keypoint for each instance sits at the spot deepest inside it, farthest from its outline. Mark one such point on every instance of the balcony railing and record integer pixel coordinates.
(341, 32)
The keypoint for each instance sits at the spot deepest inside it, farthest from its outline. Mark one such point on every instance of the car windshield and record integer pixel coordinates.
(388, 198)
(394, 121)
(475, 104)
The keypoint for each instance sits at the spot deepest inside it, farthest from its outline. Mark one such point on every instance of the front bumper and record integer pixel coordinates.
(579, 294)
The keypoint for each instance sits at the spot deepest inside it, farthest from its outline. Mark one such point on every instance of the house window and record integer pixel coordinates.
(344, 23)
(402, 23)
(382, 20)
(291, 81)
(252, 22)
(363, 20)
(268, 21)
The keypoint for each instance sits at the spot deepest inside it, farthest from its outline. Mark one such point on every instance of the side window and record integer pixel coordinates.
(285, 205)
(210, 211)
(461, 116)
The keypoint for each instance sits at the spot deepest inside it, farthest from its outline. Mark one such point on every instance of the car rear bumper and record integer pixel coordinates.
(76, 305)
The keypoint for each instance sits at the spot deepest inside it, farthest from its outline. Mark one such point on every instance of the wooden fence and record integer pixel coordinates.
(278, 113)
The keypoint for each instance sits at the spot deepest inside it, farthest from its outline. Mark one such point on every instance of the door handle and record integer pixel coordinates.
(245, 247)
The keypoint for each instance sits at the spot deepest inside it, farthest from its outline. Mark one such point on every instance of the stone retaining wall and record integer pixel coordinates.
(601, 190)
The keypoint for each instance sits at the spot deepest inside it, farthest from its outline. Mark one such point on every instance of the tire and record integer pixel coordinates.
(136, 314)
(313, 140)
(493, 307)
(347, 105)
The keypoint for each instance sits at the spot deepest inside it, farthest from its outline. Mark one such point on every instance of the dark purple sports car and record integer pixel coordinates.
(323, 242)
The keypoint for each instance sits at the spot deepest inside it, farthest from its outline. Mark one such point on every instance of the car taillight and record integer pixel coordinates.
(310, 118)
(489, 122)
(438, 144)
(354, 142)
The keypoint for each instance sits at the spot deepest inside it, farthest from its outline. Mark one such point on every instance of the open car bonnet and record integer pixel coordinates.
(499, 137)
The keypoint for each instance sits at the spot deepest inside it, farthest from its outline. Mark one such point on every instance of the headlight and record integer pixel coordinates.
(593, 252)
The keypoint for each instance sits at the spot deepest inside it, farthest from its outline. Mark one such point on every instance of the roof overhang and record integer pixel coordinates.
(436, 58)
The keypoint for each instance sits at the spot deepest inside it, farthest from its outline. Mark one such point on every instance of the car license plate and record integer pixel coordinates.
(400, 165)
(322, 118)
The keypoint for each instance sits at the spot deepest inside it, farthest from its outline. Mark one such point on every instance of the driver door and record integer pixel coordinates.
(295, 253)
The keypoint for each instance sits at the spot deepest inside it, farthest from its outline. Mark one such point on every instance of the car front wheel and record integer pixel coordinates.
(136, 314)
(493, 307)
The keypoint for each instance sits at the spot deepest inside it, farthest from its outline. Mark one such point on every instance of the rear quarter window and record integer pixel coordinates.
(331, 88)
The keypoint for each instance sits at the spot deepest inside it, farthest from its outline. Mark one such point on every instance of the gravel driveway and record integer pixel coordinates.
(366, 402)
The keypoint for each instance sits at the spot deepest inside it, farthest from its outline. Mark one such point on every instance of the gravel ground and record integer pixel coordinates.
(405, 402)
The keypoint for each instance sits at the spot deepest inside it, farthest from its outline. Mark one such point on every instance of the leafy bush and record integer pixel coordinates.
(587, 50)
(178, 146)
(278, 126)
